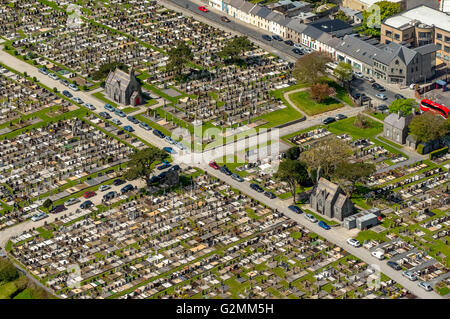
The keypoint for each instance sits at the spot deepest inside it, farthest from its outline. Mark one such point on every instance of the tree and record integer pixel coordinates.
(294, 173)
(343, 72)
(48, 202)
(311, 67)
(179, 57)
(348, 174)
(404, 105)
(140, 164)
(234, 48)
(428, 127)
(320, 91)
(341, 16)
(106, 68)
(372, 19)
(326, 154)
(7, 271)
(293, 153)
(361, 121)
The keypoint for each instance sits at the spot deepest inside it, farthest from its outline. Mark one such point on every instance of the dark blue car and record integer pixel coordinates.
(128, 128)
(67, 94)
(323, 225)
(257, 188)
(127, 188)
(169, 150)
(159, 133)
(295, 209)
(132, 119)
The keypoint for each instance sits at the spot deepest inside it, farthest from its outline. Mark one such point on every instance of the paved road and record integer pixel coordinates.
(334, 235)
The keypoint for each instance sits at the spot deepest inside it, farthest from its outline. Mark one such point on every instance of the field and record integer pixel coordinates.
(303, 101)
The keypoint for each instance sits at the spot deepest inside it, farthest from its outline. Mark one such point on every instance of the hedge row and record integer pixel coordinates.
(438, 152)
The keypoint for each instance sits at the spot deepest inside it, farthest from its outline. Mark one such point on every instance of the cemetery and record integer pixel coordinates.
(204, 242)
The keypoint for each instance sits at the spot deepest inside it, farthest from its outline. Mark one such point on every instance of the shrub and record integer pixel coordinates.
(420, 149)
(438, 152)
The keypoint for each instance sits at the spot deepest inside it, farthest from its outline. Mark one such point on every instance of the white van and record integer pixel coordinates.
(379, 254)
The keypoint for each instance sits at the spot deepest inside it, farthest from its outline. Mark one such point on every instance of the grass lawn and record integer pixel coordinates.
(7, 289)
(303, 101)
(347, 126)
(25, 294)
(319, 217)
(279, 117)
(380, 116)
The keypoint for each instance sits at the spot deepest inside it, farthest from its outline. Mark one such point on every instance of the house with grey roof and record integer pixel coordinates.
(395, 127)
(330, 200)
(258, 17)
(290, 8)
(123, 88)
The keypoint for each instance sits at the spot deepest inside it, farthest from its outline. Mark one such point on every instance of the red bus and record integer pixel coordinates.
(428, 105)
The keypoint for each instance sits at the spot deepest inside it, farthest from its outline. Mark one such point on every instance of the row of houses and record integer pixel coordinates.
(386, 62)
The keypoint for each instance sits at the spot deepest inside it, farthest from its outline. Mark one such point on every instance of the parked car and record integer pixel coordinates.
(132, 119)
(353, 242)
(64, 82)
(214, 165)
(410, 275)
(175, 168)
(295, 209)
(358, 74)
(169, 139)
(165, 164)
(119, 113)
(169, 150)
(257, 188)
(297, 51)
(311, 218)
(118, 182)
(224, 169)
(58, 209)
(103, 188)
(378, 254)
(89, 106)
(323, 225)
(236, 177)
(364, 97)
(289, 42)
(145, 126)
(71, 201)
(89, 194)
(109, 107)
(77, 100)
(116, 121)
(369, 79)
(394, 265)
(267, 37)
(277, 37)
(53, 76)
(399, 97)
(340, 116)
(307, 50)
(225, 19)
(43, 71)
(159, 133)
(382, 107)
(105, 115)
(381, 96)
(127, 188)
(39, 216)
(180, 145)
(203, 8)
(73, 87)
(329, 120)
(128, 128)
(110, 195)
(425, 285)
(86, 204)
(269, 195)
(378, 87)
(356, 95)
(67, 94)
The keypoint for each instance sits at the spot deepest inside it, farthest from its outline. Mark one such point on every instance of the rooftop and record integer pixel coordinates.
(423, 14)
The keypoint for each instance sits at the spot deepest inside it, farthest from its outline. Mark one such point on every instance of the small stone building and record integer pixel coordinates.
(396, 127)
(330, 200)
(124, 88)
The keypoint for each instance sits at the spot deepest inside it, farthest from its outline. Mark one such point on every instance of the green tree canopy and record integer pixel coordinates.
(234, 48)
(7, 271)
(311, 67)
(294, 173)
(141, 163)
(106, 68)
(404, 105)
(179, 57)
(372, 18)
(348, 174)
(343, 71)
(293, 153)
(428, 127)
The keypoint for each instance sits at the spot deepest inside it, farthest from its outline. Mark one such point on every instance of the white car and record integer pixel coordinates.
(381, 96)
(103, 188)
(378, 254)
(425, 285)
(53, 76)
(71, 201)
(90, 106)
(358, 74)
(311, 218)
(353, 242)
(116, 121)
(410, 275)
(39, 216)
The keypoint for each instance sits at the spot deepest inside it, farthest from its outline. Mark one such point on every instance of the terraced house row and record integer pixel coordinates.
(389, 62)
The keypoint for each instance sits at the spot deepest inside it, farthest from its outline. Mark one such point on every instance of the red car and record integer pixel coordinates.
(214, 165)
(89, 194)
(203, 8)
